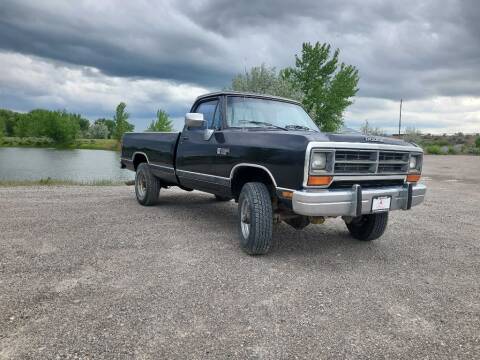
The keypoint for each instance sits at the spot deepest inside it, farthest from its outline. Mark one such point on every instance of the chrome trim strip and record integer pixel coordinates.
(360, 146)
(285, 189)
(213, 179)
(253, 165)
(162, 166)
(202, 174)
(141, 153)
(369, 177)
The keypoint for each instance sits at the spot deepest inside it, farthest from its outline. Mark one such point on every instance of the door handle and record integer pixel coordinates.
(184, 137)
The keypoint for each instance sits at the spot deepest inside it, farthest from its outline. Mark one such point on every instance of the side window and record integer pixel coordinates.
(207, 108)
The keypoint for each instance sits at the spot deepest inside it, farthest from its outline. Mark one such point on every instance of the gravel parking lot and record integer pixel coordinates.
(86, 272)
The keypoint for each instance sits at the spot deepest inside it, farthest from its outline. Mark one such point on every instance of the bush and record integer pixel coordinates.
(477, 142)
(472, 150)
(433, 150)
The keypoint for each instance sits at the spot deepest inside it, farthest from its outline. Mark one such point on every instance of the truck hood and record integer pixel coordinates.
(354, 138)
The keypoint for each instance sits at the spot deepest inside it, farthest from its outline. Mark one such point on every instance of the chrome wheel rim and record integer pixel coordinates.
(245, 216)
(141, 185)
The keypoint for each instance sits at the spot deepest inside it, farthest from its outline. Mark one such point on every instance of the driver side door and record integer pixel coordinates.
(196, 154)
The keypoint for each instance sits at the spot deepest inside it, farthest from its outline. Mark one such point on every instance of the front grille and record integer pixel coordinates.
(347, 168)
(348, 155)
(392, 156)
(392, 168)
(361, 162)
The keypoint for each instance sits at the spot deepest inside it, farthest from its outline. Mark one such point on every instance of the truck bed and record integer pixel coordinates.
(157, 147)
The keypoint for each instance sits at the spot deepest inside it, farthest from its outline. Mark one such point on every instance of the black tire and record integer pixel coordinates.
(368, 227)
(255, 199)
(222, 198)
(147, 186)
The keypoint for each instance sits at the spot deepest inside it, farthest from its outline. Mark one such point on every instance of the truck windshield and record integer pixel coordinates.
(255, 112)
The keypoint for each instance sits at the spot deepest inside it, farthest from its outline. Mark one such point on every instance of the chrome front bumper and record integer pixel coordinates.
(354, 201)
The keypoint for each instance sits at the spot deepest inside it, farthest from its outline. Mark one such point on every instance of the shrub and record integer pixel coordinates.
(433, 150)
(477, 142)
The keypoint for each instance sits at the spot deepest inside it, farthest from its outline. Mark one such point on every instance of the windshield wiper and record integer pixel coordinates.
(299, 127)
(261, 123)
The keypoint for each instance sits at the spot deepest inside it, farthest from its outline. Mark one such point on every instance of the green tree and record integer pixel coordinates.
(121, 121)
(327, 85)
(60, 126)
(162, 123)
(477, 142)
(109, 123)
(265, 80)
(2, 127)
(98, 131)
(9, 118)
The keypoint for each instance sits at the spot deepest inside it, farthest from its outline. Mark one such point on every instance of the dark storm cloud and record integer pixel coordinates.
(409, 49)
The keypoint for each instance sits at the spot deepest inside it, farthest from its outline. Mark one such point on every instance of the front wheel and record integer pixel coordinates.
(147, 186)
(255, 218)
(368, 227)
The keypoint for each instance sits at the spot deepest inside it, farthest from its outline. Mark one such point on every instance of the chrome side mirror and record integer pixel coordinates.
(194, 120)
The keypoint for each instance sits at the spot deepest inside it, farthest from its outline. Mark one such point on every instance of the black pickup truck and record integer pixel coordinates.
(268, 155)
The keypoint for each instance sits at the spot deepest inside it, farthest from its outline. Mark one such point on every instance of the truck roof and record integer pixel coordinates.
(249, 94)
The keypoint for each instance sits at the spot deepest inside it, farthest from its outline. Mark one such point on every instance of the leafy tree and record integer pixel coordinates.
(84, 124)
(477, 142)
(110, 124)
(98, 131)
(121, 121)
(265, 80)
(8, 119)
(326, 84)
(162, 123)
(2, 128)
(59, 126)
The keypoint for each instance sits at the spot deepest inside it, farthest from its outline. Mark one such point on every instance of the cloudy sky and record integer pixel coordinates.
(86, 56)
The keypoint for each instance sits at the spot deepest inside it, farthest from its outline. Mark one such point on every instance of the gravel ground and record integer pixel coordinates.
(86, 272)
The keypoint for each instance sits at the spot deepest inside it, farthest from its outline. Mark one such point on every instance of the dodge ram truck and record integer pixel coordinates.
(268, 155)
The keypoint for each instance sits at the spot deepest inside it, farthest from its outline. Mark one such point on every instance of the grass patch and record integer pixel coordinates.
(97, 144)
(59, 182)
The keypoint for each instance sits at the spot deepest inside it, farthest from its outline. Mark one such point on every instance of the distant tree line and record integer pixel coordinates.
(63, 127)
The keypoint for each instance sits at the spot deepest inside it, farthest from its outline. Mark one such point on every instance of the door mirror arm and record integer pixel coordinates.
(208, 134)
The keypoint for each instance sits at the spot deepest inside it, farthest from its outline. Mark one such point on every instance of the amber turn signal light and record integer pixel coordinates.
(413, 177)
(319, 180)
(287, 194)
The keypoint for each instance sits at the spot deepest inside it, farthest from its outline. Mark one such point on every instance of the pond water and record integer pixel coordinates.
(77, 165)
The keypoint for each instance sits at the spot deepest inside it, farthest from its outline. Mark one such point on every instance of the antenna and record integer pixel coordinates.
(400, 119)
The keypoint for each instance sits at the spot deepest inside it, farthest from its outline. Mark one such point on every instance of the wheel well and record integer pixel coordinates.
(250, 174)
(138, 159)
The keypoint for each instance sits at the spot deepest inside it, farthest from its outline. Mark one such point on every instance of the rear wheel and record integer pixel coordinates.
(147, 186)
(368, 227)
(255, 218)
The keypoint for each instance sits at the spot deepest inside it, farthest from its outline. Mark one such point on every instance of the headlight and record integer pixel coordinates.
(319, 161)
(413, 162)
